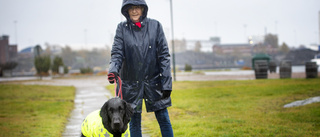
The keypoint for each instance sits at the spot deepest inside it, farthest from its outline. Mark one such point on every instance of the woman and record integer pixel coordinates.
(141, 56)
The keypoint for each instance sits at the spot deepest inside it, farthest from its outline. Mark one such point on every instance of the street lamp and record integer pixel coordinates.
(85, 38)
(15, 31)
(173, 55)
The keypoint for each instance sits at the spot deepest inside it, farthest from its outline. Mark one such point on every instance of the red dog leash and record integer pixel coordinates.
(115, 85)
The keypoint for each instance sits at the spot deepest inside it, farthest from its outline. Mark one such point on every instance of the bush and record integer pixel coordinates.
(187, 67)
(9, 65)
(57, 62)
(42, 64)
(66, 70)
(86, 70)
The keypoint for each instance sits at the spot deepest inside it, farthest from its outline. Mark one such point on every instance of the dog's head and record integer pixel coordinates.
(116, 114)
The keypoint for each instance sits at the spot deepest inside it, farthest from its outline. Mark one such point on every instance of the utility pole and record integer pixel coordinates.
(173, 55)
(245, 32)
(15, 31)
(275, 28)
(215, 29)
(85, 38)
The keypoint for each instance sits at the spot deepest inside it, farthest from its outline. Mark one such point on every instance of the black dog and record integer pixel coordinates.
(113, 118)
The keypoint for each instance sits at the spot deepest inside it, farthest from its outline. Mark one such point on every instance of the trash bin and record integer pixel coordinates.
(272, 67)
(260, 57)
(285, 69)
(261, 69)
(311, 70)
(260, 65)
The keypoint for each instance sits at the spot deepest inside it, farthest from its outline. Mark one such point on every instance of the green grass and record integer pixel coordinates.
(32, 110)
(241, 108)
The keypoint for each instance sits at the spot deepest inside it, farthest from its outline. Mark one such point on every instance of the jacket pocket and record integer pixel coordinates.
(126, 84)
(153, 90)
(130, 90)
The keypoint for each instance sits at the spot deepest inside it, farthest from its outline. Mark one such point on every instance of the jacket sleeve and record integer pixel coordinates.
(117, 52)
(164, 59)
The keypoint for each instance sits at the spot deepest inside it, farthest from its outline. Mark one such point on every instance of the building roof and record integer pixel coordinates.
(27, 50)
(234, 45)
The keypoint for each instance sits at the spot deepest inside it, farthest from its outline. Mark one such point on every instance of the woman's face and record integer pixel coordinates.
(135, 12)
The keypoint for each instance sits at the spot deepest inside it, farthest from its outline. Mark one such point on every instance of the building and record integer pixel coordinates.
(8, 52)
(243, 49)
(194, 45)
(204, 45)
(179, 46)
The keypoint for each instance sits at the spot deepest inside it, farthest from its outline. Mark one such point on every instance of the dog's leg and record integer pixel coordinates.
(82, 135)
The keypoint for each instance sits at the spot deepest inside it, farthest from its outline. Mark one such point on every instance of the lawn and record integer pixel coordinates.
(33, 110)
(241, 108)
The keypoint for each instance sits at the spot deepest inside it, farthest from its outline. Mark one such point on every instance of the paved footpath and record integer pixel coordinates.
(91, 94)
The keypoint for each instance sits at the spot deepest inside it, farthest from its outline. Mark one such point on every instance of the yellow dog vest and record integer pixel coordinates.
(92, 126)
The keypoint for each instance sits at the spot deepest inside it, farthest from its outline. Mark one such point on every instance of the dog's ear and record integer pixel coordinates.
(128, 112)
(104, 114)
(127, 115)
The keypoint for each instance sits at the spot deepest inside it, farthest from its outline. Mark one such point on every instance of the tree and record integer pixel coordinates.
(68, 56)
(57, 62)
(66, 70)
(42, 64)
(271, 40)
(8, 66)
(284, 48)
(187, 67)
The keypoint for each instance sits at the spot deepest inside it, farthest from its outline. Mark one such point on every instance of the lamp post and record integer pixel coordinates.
(15, 31)
(245, 32)
(85, 38)
(173, 55)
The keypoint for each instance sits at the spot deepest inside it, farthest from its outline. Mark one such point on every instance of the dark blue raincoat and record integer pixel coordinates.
(141, 57)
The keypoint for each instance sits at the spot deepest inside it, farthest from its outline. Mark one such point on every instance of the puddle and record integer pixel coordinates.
(303, 102)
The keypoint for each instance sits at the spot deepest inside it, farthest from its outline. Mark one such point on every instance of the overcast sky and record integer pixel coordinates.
(76, 22)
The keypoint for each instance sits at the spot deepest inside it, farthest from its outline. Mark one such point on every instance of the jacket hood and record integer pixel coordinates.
(127, 3)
